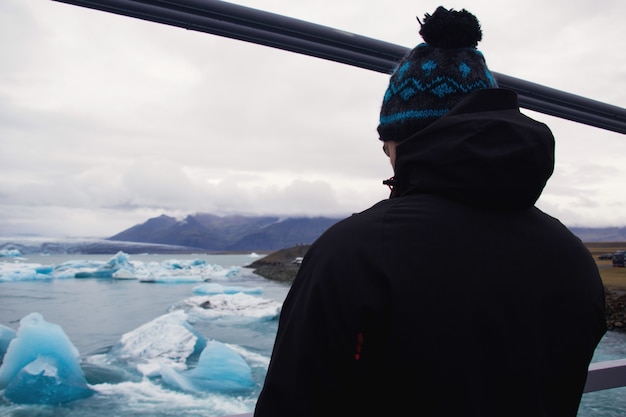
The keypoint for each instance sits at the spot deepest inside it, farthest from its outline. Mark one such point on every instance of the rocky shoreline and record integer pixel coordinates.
(615, 310)
(280, 265)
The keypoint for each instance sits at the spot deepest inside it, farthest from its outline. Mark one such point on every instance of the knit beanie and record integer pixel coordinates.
(435, 75)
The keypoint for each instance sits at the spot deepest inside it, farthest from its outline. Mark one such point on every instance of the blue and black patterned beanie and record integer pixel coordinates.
(435, 75)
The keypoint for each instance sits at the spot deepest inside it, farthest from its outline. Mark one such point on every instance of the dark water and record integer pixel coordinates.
(95, 313)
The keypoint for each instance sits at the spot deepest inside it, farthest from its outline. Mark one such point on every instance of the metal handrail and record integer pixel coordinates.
(606, 375)
(282, 32)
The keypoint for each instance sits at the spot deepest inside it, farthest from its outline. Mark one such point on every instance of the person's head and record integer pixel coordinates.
(434, 76)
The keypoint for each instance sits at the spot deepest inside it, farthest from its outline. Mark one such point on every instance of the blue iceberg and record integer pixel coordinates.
(10, 253)
(41, 365)
(119, 262)
(219, 369)
(23, 272)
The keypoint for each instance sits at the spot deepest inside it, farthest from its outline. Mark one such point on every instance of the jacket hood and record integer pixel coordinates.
(483, 152)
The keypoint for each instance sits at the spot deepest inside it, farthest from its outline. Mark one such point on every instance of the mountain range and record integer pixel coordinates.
(203, 232)
(229, 233)
(600, 234)
(268, 233)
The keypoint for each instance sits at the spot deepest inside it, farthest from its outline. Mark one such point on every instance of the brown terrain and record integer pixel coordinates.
(614, 280)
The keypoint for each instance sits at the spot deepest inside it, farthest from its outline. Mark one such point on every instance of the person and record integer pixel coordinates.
(456, 296)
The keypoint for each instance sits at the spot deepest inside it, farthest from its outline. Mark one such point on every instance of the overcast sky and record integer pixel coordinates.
(107, 121)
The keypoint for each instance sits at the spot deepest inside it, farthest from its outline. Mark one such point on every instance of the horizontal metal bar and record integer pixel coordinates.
(554, 96)
(329, 49)
(294, 28)
(251, 25)
(570, 113)
(606, 375)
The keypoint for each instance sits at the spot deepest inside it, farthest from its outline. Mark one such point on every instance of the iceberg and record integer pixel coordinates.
(124, 273)
(69, 269)
(118, 262)
(41, 365)
(175, 271)
(10, 253)
(23, 272)
(219, 369)
(237, 305)
(168, 339)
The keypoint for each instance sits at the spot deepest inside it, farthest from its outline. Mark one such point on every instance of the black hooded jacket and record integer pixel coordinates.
(455, 297)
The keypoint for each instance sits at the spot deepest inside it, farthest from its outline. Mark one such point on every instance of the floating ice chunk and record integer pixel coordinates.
(124, 273)
(181, 264)
(185, 271)
(117, 262)
(168, 339)
(45, 269)
(41, 365)
(219, 369)
(22, 271)
(19, 271)
(10, 253)
(40, 382)
(173, 271)
(69, 269)
(6, 335)
(233, 271)
(212, 289)
(237, 305)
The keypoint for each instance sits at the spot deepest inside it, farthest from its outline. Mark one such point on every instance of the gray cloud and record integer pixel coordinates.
(106, 121)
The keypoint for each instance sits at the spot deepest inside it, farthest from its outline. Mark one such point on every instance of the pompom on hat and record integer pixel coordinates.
(435, 75)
